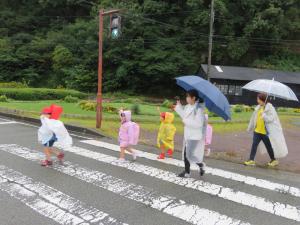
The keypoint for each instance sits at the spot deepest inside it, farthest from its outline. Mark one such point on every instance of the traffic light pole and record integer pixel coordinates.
(100, 60)
(99, 93)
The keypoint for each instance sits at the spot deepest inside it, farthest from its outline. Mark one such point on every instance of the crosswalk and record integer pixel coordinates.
(274, 201)
(49, 201)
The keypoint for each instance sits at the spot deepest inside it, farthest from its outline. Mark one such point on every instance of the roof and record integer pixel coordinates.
(249, 74)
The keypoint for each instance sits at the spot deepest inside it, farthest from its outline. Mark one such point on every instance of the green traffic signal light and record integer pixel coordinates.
(115, 33)
(115, 26)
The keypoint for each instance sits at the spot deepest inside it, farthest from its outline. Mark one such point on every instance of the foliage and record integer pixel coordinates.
(212, 114)
(3, 98)
(297, 110)
(167, 104)
(71, 99)
(238, 109)
(55, 43)
(31, 94)
(136, 110)
(13, 85)
(282, 109)
(88, 105)
(92, 105)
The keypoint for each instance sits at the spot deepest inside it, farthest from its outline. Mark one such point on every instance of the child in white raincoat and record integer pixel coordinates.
(52, 131)
(193, 118)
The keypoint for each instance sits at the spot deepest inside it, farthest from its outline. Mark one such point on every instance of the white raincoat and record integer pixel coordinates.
(49, 128)
(193, 117)
(274, 130)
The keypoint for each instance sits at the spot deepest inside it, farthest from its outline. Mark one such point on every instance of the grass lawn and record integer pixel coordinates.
(148, 119)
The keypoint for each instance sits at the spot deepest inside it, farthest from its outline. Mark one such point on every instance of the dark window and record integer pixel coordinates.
(231, 90)
(223, 88)
(238, 90)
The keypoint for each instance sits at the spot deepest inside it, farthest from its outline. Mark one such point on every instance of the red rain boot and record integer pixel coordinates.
(46, 163)
(170, 152)
(161, 156)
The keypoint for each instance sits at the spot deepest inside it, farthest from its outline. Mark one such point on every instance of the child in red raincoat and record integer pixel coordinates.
(51, 131)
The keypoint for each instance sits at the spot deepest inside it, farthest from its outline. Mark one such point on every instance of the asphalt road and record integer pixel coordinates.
(92, 188)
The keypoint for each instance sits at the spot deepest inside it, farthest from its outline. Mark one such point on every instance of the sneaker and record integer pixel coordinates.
(273, 163)
(161, 156)
(121, 160)
(134, 156)
(249, 163)
(184, 175)
(46, 163)
(170, 153)
(202, 170)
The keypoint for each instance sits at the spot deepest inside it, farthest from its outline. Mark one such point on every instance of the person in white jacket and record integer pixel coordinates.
(193, 118)
(50, 132)
(267, 128)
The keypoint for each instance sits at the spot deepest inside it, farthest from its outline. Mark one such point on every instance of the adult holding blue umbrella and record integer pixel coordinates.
(215, 100)
(199, 93)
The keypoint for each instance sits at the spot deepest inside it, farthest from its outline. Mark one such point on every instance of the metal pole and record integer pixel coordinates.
(211, 24)
(99, 93)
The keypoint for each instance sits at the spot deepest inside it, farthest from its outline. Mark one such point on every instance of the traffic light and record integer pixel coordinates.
(115, 26)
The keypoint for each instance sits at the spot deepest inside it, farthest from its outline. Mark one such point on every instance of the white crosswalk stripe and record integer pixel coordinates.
(277, 208)
(50, 202)
(249, 180)
(167, 204)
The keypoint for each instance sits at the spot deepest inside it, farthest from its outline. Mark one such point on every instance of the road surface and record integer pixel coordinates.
(93, 188)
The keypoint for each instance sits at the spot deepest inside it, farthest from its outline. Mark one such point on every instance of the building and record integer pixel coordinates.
(231, 79)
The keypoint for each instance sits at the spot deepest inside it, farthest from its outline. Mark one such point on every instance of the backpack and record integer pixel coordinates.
(208, 135)
(134, 133)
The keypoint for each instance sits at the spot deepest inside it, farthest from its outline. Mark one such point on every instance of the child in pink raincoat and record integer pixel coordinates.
(128, 135)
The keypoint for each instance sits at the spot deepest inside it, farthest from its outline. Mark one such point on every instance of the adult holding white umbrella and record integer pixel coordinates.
(265, 122)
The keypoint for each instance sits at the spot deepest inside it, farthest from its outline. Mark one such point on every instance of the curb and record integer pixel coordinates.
(72, 128)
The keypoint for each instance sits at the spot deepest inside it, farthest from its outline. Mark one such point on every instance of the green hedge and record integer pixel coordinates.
(32, 94)
(13, 85)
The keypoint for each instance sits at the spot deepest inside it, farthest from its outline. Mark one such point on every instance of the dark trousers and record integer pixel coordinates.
(187, 165)
(257, 138)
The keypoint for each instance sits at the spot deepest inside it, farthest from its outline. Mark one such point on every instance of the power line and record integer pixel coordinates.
(196, 34)
(218, 35)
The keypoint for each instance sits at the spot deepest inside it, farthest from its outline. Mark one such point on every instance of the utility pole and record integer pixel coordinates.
(100, 60)
(211, 27)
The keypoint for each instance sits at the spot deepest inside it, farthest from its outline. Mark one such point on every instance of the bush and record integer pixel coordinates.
(127, 100)
(88, 105)
(238, 108)
(212, 114)
(136, 110)
(167, 104)
(282, 109)
(71, 99)
(297, 110)
(110, 109)
(248, 108)
(33, 94)
(13, 85)
(3, 98)
(92, 106)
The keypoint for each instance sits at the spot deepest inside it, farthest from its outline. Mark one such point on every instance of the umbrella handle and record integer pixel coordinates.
(270, 88)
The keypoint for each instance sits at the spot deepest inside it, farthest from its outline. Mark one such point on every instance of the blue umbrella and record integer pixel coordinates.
(214, 99)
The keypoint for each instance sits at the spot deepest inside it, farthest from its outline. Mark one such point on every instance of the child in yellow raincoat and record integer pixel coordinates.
(166, 133)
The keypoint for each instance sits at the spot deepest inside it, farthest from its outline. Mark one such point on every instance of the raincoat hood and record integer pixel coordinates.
(46, 110)
(169, 117)
(127, 116)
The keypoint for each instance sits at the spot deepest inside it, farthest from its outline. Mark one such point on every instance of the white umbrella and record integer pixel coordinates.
(271, 88)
